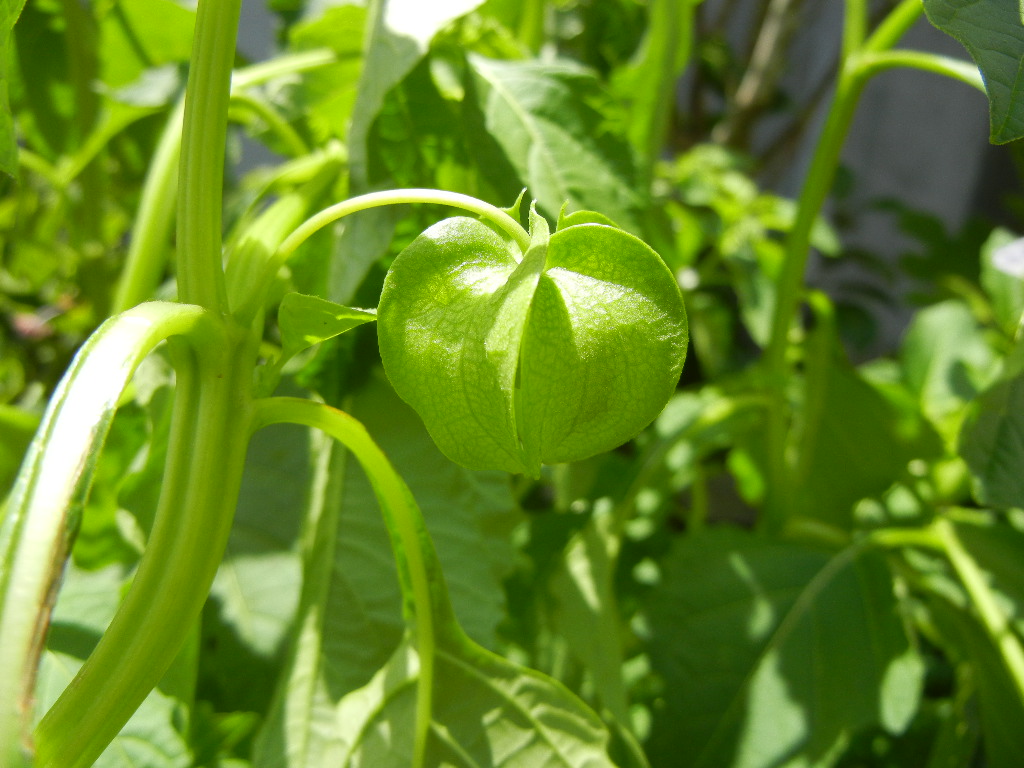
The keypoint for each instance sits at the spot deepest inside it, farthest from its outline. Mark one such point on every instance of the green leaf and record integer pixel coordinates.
(1002, 277)
(565, 353)
(308, 320)
(855, 439)
(992, 31)
(946, 362)
(543, 117)
(774, 653)
(992, 439)
(9, 12)
(489, 713)
(350, 617)
(585, 611)
(153, 737)
(328, 94)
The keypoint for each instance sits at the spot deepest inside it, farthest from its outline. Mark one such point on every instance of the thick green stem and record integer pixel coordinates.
(54, 483)
(206, 454)
(853, 75)
(414, 552)
(812, 197)
(144, 264)
(200, 192)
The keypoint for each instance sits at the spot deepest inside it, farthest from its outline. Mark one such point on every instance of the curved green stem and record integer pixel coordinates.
(417, 565)
(993, 618)
(200, 194)
(398, 197)
(206, 455)
(54, 482)
(274, 121)
(873, 62)
(281, 66)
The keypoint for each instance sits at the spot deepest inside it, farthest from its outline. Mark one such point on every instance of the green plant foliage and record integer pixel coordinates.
(8, 142)
(505, 526)
(543, 118)
(590, 305)
(760, 644)
(993, 33)
(529, 720)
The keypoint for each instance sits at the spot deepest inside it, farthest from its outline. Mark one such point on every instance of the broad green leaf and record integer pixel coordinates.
(854, 441)
(992, 439)
(329, 93)
(946, 362)
(774, 653)
(142, 35)
(399, 33)
(308, 320)
(487, 712)
(511, 363)
(255, 594)
(542, 115)
(585, 610)
(350, 613)
(1002, 277)
(155, 736)
(992, 31)
(9, 12)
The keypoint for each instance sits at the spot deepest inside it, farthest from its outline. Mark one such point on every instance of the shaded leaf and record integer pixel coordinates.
(992, 440)
(774, 653)
(992, 31)
(350, 616)
(489, 713)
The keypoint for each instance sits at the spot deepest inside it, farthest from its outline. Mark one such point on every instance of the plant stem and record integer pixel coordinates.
(397, 197)
(849, 86)
(54, 482)
(200, 193)
(206, 453)
(145, 261)
(873, 62)
(993, 619)
(414, 554)
(812, 197)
